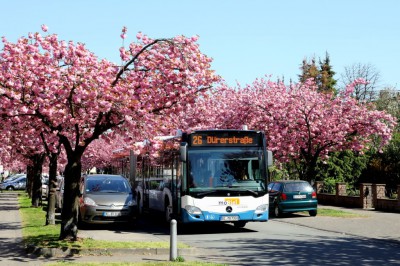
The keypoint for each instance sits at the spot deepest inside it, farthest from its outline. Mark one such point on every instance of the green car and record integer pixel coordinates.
(289, 196)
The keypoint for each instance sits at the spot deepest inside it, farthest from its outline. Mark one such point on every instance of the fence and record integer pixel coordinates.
(372, 196)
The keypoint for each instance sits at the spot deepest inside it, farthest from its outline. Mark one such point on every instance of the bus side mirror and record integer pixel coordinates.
(182, 151)
(269, 158)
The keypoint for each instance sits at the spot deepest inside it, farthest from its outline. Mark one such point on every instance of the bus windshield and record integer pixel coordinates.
(213, 169)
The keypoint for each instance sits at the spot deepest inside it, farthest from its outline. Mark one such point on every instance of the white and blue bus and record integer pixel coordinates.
(214, 176)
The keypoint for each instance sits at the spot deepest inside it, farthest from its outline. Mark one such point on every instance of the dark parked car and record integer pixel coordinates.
(106, 199)
(288, 196)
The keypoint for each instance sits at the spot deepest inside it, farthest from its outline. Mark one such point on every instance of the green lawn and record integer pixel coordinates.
(338, 213)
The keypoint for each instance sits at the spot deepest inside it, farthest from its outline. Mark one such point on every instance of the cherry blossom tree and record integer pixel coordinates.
(301, 124)
(34, 144)
(24, 141)
(78, 97)
(100, 153)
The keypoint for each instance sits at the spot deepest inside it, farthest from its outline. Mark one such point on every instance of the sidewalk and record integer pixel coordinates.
(367, 224)
(11, 251)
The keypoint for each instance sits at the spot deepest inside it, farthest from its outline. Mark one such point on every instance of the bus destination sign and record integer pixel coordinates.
(204, 139)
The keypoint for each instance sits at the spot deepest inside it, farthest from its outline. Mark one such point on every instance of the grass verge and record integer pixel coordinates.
(338, 213)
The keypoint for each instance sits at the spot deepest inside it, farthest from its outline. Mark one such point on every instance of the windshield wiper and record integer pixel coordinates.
(206, 193)
(225, 189)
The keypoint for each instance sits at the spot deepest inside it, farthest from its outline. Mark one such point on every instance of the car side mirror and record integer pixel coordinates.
(182, 151)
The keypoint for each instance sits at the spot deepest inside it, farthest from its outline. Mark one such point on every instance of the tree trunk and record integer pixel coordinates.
(309, 164)
(51, 201)
(37, 161)
(29, 180)
(69, 216)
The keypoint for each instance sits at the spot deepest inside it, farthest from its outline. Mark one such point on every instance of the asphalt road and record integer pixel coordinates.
(281, 243)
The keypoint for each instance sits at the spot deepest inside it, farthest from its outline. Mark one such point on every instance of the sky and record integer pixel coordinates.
(247, 39)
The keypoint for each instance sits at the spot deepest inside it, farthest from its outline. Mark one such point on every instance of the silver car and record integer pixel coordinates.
(106, 199)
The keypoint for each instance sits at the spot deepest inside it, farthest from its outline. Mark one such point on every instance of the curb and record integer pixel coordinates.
(70, 252)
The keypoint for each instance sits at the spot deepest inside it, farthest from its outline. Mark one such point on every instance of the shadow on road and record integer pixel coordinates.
(320, 251)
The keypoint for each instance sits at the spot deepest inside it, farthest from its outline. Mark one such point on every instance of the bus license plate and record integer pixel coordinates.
(111, 214)
(229, 218)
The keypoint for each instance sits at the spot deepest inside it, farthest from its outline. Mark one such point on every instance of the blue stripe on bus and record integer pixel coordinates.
(216, 217)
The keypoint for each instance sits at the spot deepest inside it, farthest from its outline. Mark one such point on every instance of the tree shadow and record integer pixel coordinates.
(319, 251)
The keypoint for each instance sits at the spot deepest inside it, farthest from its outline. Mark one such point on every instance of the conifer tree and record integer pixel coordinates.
(326, 82)
(322, 74)
(308, 70)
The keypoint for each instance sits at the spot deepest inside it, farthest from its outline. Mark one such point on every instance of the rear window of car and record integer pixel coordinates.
(298, 186)
(272, 187)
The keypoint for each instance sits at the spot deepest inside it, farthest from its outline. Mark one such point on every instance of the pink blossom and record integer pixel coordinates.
(44, 28)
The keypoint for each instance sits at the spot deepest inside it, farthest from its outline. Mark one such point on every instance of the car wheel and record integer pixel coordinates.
(10, 188)
(240, 224)
(277, 211)
(313, 213)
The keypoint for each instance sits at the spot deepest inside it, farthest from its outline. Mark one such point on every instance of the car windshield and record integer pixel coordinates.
(14, 177)
(106, 184)
(298, 186)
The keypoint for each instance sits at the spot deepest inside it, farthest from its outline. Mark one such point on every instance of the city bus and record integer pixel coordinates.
(205, 176)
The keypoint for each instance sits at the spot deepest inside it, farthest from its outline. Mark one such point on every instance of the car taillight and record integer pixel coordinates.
(314, 195)
(283, 196)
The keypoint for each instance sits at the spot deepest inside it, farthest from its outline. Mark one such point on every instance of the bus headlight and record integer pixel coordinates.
(193, 210)
(262, 208)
